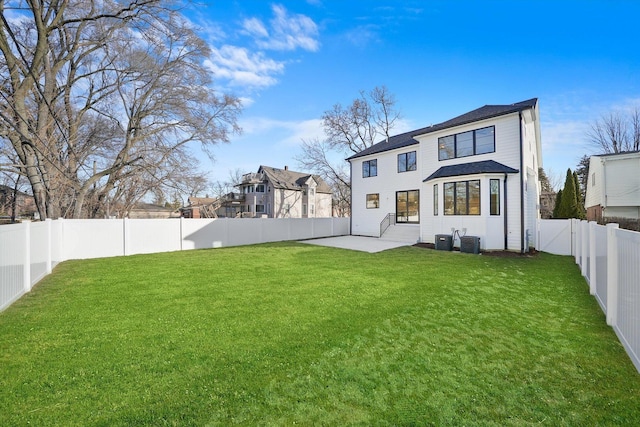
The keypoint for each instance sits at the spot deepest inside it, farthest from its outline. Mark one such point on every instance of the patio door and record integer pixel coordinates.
(408, 206)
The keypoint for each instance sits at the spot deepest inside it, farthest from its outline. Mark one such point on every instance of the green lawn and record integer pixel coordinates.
(289, 333)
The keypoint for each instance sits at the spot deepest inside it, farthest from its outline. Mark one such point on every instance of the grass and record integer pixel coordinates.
(290, 333)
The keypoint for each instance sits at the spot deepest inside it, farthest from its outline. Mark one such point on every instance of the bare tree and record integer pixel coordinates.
(348, 130)
(616, 132)
(102, 94)
(221, 188)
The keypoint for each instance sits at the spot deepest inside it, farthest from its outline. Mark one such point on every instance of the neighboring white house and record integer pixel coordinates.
(613, 186)
(282, 193)
(476, 174)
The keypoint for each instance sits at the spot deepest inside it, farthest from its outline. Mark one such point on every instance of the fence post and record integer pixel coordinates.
(26, 266)
(62, 247)
(575, 225)
(49, 244)
(181, 232)
(592, 258)
(612, 275)
(584, 226)
(125, 236)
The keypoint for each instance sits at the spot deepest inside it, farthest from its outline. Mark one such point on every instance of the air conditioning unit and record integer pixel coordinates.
(444, 242)
(470, 244)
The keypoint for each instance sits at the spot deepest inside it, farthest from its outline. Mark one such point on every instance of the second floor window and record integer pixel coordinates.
(474, 142)
(370, 168)
(407, 161)
(260, 188)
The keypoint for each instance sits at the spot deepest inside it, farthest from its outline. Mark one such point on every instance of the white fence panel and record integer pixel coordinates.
(275, 230)
(57, 243)
(147, 236)
(93, 238)
(299, 230)
(341, 226)
(627, 325)
(586, 255)
(204, 233)
(13, 253)
(322, 227)
(40, 254)
(599, 237)
(244, 231)
(555, 236)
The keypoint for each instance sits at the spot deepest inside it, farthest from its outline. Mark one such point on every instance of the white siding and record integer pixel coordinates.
(366, 222)
(614, 183)
(531, 163)
(595, 187)
(323, 205)
(287, 197)
(490, 229)
(622, 181)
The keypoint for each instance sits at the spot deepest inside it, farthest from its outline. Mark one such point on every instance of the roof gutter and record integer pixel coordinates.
(350, 197)
(506, 228)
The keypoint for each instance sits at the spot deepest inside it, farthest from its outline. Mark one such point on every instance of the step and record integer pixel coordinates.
(402, 233)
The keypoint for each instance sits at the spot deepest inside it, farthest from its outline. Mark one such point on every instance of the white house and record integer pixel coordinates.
(473, 175)
(613, 186)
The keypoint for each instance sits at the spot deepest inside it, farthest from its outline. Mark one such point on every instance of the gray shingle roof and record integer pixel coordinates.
(482, 113)
(485, 166)
(290, 180)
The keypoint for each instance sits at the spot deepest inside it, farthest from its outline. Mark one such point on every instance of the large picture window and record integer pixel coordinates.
(408, 206)
(471, 143)
(370, 168)
(494, 196)
(407, 161)
(462, 198)
(373, 201)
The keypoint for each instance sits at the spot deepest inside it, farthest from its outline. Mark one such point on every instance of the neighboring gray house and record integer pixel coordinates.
(613, 187)
(282, 193)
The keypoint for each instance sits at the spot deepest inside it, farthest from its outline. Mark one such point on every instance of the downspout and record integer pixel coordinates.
(350, 197)
(521, 186)
(506, 228)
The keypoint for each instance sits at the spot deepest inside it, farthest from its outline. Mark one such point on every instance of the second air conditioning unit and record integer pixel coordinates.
(470, 244)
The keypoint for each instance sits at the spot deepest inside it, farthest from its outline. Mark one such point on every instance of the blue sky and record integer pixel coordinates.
(292, 60)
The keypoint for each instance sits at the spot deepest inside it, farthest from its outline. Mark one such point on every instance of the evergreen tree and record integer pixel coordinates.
(569, 200)
(582, 170)
(545, 185)
(556, 207)
(582, 214)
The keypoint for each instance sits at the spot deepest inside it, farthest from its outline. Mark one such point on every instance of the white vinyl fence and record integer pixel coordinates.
(609, 259)
(29, 251)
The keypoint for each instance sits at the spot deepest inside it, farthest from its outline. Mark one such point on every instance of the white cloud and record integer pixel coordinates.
(563, 144)
(255, 27)
(242, 67)
(283, 132)
(306, 129)
(286, 32)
